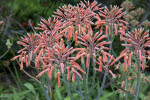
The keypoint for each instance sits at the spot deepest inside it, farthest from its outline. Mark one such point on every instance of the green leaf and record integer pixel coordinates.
(30, 87)
(58, 93)
(105, 97)
(5, 95)
(67, 98)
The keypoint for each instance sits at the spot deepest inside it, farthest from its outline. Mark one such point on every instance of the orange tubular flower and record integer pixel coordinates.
(73, 76)
(125, 63)
(129, 61)
(100, 64)
(143, 63)
(68, 71)
(87, 60)
(49, 73)
(59, 85)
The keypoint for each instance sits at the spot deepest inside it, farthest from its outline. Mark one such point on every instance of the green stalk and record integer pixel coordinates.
(94, 75)
(67, 86)
(138, 78)
(84, 77)
(50, 89)
(79, 87)
(86, 82)
(102, 86)
(44, 89)
(17, 77)
(126, 87)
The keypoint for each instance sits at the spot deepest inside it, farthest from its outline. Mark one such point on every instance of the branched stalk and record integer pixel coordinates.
(67, 86)
(138, 78)
(50, 89)
(32, 77)
(102, 86)
(126, 87)
(74, 89)
(118, 87)
(86, 82)
(46, 93)
(94, 75)
(79, 87)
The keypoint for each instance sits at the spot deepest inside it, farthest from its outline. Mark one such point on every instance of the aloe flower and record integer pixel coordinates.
(51, 32)
(29, 43)
(58, 58)
(137, 41)
(49, 26)
(112, 19)
(94, 43)
(75, 19)
(104, 63)
(94, 6)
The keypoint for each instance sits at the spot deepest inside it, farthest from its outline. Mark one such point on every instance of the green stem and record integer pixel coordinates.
(126, 87)
(44, 89)
(138, 78)
(102, 86)
(50, 89)
(94, 75)
(74, 89)
(86, 82)
(79, 87)
(67, 86)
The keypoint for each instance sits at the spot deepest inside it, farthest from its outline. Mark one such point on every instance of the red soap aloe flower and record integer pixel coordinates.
(104, 63)
(112, 18)
(137, 41)
(74, 19)
(29, 43)
(93, 42)
(58, 58)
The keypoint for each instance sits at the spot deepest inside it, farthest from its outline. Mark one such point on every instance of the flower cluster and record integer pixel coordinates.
(57, 58)
(29, 51)
(137, 41)
(112, 19)
(146, 24)
(52, 56)
(127, 5)
(75, 19)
